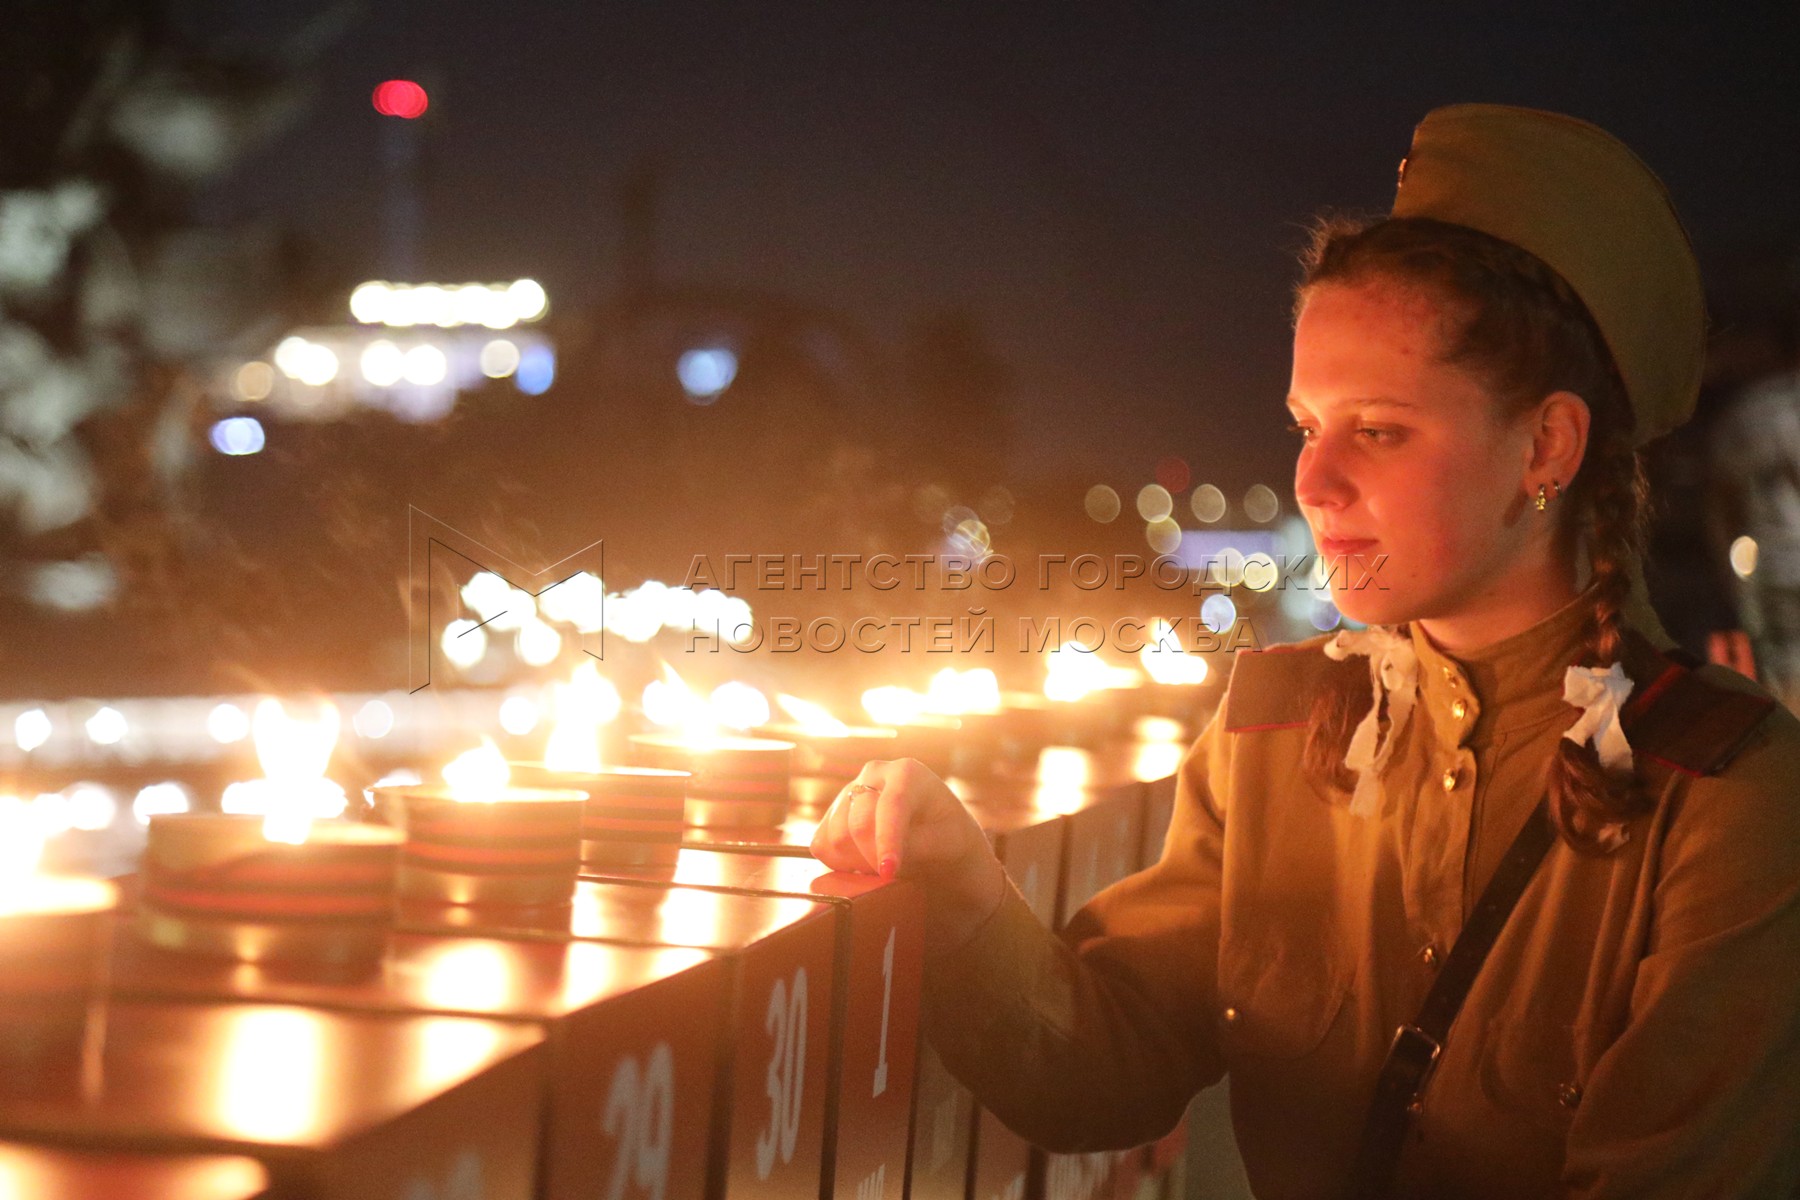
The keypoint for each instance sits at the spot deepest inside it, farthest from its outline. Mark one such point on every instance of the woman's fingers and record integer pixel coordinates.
(895, 816)
(834, 843)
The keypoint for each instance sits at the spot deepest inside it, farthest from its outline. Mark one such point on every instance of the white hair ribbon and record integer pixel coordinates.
(1600, 695)
(1393, 672)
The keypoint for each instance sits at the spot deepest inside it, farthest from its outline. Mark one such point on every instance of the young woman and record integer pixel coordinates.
(1330, 922)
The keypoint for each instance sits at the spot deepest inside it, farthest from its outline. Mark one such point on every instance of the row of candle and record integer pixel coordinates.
(286, 886)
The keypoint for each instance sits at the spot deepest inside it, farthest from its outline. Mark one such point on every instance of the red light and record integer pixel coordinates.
(401, 98)
(1172, 472)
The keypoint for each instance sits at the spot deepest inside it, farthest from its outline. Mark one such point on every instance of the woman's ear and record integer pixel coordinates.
(1558, 439)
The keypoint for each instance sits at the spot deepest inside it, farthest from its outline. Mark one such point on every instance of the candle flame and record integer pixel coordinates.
(478, 775)
(812, 718)
(21, 844)
(1073, 671)
(290, 747)
(890, 705)
(586, 702)
(1164, 659)
(955, 692)
(295, 753)
(671, 704)
(739, 706)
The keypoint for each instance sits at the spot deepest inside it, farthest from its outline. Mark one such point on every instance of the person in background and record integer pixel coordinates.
(1748, 454)
(1498, 896)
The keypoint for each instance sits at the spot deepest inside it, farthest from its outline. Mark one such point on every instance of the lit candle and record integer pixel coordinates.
(53, 943)
(215, 884)
(480, 840)
(736, 781)
(825, 746)
(274, 878)
(633, 816)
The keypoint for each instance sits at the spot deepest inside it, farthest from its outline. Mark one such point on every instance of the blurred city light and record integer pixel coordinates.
(237, 435)
(706, 372)
(536, 370)
(404, 305)
(401, 98)
(1102, 503)
(499, 358)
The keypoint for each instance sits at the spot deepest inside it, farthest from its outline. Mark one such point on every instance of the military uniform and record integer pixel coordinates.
(1634, 1032)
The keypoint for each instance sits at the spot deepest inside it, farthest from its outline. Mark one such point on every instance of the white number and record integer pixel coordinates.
(887, 995)
(640, 1116)
(785, 1020)
(873, 1185)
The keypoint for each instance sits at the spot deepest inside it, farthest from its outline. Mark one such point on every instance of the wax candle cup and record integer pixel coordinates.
(213, 884)
(54, 934)
(633, 816)
(839, 756)
(735, 781)
(519, 848)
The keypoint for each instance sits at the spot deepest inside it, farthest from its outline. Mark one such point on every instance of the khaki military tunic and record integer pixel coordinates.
(1635, 1031)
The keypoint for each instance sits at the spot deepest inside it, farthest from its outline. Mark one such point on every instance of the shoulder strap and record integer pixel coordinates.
(1680, 720)
(1275, 688)
(1414, 1051)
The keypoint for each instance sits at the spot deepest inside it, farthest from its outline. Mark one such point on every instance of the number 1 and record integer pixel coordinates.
(887, 996)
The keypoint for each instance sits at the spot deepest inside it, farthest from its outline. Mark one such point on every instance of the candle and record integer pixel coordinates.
(480, 840)
(53, 945)
(735, 781)
(215, 884)
(836, 756)
(633, 816)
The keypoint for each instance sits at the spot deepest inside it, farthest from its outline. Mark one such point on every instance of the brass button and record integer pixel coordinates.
(1568, 1094)
(1459, 709)
(1230, 1015)
(1450, 780)
(1429, 956)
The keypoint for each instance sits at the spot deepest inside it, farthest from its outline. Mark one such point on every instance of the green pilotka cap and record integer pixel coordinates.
(1582, 202)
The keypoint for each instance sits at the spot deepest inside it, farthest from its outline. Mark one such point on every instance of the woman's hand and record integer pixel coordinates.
(897, 818)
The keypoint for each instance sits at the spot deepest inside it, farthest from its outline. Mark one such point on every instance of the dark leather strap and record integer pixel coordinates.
(1415, 1049)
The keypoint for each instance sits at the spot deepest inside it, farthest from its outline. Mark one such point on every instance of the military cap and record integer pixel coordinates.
(1582, 202)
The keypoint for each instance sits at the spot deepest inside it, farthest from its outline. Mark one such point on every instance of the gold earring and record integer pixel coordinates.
(1543, 501)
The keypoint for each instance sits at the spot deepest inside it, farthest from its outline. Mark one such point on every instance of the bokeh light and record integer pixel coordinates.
(536, 370)
(1208, 503)
(1102, 503)
(1172, 473)
(1163, 535)
(1154, 502)
(400, 98)
(237, 436)
(499, 358)
(1743, 556)
(1261, 504)
(706, 371)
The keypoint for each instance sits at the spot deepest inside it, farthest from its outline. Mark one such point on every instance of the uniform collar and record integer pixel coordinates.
(1516, 682)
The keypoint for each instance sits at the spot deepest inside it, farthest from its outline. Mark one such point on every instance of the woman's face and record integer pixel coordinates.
(1412, 483)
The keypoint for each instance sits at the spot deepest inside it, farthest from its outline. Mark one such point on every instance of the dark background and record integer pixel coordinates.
(960, 247)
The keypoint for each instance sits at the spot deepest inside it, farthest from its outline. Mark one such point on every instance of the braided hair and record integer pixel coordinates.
(1516, 325)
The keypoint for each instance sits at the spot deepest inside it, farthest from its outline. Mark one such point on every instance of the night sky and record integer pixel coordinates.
(1113, 191)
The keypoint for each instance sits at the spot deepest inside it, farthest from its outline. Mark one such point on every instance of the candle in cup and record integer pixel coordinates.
(633, 816)
(736, 781)
(825, 746)
(216, 884)
(480, 840)
(53, 946)
(274, 879)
